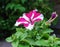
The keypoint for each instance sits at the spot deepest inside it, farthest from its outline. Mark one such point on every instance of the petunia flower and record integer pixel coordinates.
(29, 19)
(53, 17)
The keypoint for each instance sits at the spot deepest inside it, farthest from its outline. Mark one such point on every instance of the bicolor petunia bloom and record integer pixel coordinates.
(29, 19)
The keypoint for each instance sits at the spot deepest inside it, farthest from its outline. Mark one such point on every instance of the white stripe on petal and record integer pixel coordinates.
(25, 17)
(18, 23)
(39, 17)
(32, 16)
(30, 27)
(33, 13)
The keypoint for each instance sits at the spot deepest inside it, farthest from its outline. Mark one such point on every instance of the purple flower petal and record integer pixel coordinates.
(53, 15)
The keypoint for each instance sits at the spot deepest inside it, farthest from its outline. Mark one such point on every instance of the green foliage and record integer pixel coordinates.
(37, 37)
(15, 7)
(23, 1)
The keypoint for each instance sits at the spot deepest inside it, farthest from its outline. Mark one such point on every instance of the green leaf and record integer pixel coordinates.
(48, 30)
(42, 43)
(21, 33)
(23, 36)
(57, 42)
(9, 39)
(18, 34)
(45, 36)
(15, 7)
(51, 38)
(20, 29)
(29, 41)
(10, 5)
(38, 37)
(15, 43)
(19, 7)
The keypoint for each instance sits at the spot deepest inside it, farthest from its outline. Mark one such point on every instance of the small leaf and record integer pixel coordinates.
(38, 37)
(20, 29)
(42, 43)
(15, 43)
(48, 31)
(10, 5)
(23, 36)
(57, 42)
(19, 7)
(9, 39)
(18, 34)
(29, 41)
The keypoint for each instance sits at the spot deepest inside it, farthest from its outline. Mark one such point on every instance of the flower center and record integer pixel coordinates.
(31, 22)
